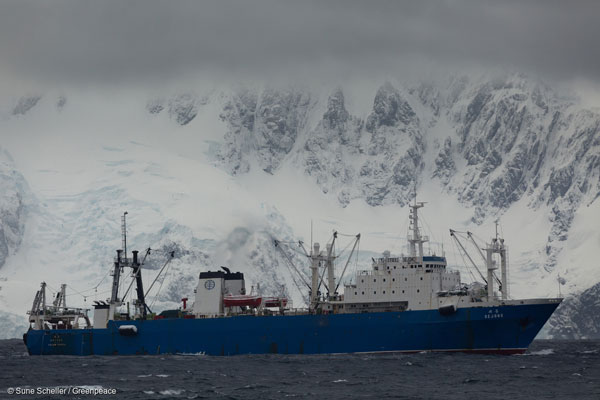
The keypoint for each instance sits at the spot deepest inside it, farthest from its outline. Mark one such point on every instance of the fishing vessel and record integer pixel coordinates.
(405, 303)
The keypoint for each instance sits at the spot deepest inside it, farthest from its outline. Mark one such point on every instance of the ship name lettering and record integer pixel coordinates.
(493, 316)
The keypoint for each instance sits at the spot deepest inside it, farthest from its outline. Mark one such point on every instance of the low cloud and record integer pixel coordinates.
(147, 42)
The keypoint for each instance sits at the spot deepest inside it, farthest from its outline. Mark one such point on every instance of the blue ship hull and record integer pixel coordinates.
(502, 329)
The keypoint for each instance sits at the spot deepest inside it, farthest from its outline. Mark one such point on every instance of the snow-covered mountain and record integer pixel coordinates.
(215, 173)
(578, 317)
(13, 197)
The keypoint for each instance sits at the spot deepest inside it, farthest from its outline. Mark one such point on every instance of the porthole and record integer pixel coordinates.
(405, 279)
(363, 293)
(393, 279)
(374, 279)
(355, 293)
(384, 292)
(403, 291)
(421, 278)
(393, 291)
(374, 291)
(384, 279)
(417, 290)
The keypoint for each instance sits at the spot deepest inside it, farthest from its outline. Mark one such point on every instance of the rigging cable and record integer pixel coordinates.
(160, 287)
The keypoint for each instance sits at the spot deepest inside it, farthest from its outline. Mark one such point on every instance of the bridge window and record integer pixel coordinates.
(374, 279)
(362, 281)
(355, 293)
(363, 293)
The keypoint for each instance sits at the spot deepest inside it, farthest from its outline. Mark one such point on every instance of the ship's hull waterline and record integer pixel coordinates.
(505, 329)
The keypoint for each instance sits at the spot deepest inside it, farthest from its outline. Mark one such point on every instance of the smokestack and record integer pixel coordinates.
(119, 256)
(135, 259)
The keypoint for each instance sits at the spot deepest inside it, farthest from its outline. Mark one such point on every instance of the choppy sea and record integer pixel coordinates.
(549, 370)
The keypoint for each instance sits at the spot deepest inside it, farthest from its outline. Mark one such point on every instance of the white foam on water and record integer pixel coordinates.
(162, 376)
(340, 381)
(171, 392)
(544, 352)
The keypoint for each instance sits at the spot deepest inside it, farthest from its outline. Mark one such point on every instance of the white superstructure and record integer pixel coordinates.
(423, 282)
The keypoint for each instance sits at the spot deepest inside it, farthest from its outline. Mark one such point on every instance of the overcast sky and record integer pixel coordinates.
(121, 42)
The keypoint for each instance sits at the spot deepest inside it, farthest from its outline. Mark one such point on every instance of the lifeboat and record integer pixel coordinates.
(275, 301)
(241, 301)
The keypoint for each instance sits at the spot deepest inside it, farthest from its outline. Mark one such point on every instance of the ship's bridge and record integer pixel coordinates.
(430, 263)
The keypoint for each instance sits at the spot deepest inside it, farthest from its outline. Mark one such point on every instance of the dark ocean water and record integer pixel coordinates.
(550, 370)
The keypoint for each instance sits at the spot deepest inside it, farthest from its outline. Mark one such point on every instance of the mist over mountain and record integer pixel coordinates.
(216, 173)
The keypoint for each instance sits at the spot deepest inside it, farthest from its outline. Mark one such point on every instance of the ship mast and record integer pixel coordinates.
(315, 258)
(415, 239)
(496, 247)
(120, 262)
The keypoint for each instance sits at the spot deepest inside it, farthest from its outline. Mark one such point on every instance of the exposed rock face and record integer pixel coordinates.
(262, 127)
(445, 166)
(280, 116)
(330, 148)
(395, 149)
(183, 108)
(377, 161)
(155, 106)
(25, 104)
(61, 102)
(578, 317)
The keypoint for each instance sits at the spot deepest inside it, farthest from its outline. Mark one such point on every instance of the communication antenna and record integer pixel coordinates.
(415, 187)
(558, 280)
(496, 222)
(311, 235)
